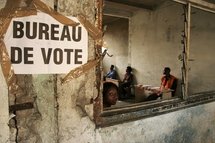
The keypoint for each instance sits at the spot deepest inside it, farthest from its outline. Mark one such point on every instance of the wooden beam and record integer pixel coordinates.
(133, 3)
(118, 10)
(200, 4)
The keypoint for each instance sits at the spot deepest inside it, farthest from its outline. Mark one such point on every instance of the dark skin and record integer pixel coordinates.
(110, 96)
(166, 72)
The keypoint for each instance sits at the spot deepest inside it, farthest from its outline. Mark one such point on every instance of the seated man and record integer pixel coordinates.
(112, 73)
(126, 83)
(168, 82)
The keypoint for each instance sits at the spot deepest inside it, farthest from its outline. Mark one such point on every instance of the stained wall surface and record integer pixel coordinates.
(61, 113)
(193, 125)
(116, 39)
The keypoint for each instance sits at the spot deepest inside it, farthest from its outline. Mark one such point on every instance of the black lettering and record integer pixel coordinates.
(43, 30)
(27, 55)
(77, 51)
(58, 56)
(54, 32)
(16, 55)
(65, 34)
(18, 29)
(46, 57)
(29, 29)
(76, 37)
(68, 51)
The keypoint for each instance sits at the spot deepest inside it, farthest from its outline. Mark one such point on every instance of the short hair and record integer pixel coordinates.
(112, 66)
(167, 69)
(129, 68)
(107, 86)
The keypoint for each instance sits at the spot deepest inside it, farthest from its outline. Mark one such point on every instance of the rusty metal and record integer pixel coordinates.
(23, 106)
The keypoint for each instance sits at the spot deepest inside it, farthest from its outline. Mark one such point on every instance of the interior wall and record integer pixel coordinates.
(116, 39)
(155, 37)
(155, 42)
(202, 63)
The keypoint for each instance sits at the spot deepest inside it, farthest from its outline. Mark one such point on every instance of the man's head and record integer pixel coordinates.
(166, 71)
(128, 69)
(112, 67)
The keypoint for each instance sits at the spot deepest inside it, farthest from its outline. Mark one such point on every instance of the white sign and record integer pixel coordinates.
(39, 44)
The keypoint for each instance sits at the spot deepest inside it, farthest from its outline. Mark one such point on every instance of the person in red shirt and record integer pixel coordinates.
(168, 81)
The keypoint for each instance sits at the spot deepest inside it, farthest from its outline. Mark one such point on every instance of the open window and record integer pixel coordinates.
(171, 35)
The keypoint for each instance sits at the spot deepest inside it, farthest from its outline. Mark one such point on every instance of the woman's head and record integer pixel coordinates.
(110, 94)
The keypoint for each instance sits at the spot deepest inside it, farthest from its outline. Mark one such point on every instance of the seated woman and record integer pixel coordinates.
(110, 94)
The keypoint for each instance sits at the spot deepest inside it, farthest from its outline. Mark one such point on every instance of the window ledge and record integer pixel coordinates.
(148, 109)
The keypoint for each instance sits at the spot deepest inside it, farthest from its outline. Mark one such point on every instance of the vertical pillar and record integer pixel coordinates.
(186, 50)
(4, 110)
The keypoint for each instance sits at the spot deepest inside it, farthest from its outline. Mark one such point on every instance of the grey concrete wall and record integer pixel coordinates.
(193, 125)
(59, 113)
(73, 98)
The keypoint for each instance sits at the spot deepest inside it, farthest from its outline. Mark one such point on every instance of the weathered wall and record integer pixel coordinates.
(193, 125)
(74, 97)
(202, 69)
(116, 38)
(4, 114)
(155, 42)
(60, 113)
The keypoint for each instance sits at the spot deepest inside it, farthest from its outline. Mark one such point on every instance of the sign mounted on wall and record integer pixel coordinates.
(39, 44)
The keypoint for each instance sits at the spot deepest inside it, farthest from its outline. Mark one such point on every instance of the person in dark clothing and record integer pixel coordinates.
(126, 83)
